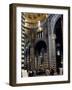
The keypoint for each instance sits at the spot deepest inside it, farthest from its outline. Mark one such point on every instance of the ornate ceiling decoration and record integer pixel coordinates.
(31, 19)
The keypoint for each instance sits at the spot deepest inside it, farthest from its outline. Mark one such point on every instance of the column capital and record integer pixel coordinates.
(53, 36)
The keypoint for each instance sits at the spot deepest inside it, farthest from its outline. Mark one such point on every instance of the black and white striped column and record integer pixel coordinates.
(22, 40)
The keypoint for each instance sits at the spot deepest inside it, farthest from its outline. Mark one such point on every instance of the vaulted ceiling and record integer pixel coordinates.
(31, 19)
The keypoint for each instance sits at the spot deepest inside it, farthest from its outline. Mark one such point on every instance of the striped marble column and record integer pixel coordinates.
(22, 41)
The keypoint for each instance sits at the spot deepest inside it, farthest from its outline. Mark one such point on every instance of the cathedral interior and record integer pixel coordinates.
(41, 44)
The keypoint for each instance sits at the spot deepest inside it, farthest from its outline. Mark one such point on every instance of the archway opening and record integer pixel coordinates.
(40, 50)
(40, 47)
(59, 43)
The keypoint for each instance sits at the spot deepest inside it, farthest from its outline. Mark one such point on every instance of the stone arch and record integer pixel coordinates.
(53, 21)
(52, 50)
(39, 45)
(58, 43)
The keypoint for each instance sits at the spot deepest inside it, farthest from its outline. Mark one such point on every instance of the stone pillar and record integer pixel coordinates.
(35, 62)
(53, 52)
(61, 70)
(39, 62)
(45, 60)
(27, 62)
(23, 38)
(32, 62)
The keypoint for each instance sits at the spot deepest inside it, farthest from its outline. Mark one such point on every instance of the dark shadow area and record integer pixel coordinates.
(59, 43)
